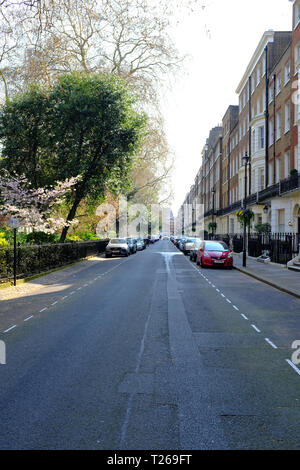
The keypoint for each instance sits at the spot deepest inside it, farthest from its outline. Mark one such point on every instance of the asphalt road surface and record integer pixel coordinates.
(151, 352)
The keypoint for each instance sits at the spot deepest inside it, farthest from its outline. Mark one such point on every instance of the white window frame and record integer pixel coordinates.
(278, 125)
(287, 117)
(278, 85)
(287, 73)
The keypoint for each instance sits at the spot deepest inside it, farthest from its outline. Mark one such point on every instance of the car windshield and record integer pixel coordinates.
(216, 246)
(116, 241)
(191, 240)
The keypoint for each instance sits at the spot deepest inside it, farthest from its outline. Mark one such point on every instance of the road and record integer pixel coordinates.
(151, 352)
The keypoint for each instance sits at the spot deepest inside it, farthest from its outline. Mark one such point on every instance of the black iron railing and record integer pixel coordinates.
(33, 259)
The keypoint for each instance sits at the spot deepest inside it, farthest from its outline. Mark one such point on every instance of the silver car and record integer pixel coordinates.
(117, 247)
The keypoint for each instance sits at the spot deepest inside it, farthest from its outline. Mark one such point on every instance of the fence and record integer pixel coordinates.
(33, 259)
(280, 247)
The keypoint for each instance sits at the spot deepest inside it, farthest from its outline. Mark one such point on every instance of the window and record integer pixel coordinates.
(297, 15)
(278, 170)
(261, 179)
(287, 117)
(253, 141)
(271, 136)
(287, 165)
(258, 76)
(278, 126)
(253, 85)
(287, 73)
(270, 94)
(281, 220)
(278, 85)
(270, 173)
(297, 55)
(264, 66)
(264, 101)
(261, 144)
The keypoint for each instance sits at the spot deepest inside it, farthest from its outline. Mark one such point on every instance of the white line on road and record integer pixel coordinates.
(256, 329)
(223, 295)
(54, 303)
(8, 329)
(244, 316)
(73, 292)
(229, 301)
(293, 366)
(65, 297)
(79, 288)
(270, 342)
(235, 307)
(218, 290)
(28, 318)
(43, 309)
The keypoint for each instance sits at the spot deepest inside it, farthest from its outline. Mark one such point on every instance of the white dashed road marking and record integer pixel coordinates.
(8, 329)
(235, 307)
(43, 309)
(256, 329)
(293, 366)
(244, 316)
(270, 342)
(28, 318)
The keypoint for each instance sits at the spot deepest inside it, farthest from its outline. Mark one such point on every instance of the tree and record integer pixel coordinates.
(87, 126)
(33, 207)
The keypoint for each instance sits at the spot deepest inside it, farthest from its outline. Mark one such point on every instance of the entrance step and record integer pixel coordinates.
(294, 268)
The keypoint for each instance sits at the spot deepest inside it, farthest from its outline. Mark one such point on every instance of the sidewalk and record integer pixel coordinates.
(274, 275)
(49, 281)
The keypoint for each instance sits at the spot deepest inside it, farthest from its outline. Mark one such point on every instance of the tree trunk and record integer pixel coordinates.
(70, 217)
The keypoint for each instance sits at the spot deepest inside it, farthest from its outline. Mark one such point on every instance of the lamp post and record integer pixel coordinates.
(213, 191)
(246, 162)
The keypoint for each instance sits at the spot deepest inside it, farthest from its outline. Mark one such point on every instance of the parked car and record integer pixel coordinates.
(188, 245)
(181, 242)
(132, 245)
(194, 249)
(118, 247)
(214, 253)
(140, 245)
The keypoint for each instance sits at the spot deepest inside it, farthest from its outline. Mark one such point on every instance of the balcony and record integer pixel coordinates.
(290, 184)
(269, 192)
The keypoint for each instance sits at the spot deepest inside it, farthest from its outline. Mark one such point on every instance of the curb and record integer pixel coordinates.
(270, 283)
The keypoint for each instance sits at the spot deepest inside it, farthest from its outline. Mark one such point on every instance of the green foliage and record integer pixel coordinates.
(212, 226)
(263, 228)
(41, 237)
(3, 242)
(84, 125)
(294, 172)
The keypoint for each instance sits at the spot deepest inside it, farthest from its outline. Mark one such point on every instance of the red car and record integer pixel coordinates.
(214, 253)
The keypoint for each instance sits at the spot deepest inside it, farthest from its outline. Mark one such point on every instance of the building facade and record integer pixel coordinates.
(265, 126)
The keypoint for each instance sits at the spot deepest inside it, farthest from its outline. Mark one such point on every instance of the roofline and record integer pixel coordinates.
(267, 37)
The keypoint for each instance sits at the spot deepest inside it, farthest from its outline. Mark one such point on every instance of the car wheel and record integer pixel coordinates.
(107, 255)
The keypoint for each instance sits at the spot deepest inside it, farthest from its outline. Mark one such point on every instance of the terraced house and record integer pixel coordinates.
(265, 126)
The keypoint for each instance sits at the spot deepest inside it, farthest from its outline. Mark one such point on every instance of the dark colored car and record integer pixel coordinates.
(132, 245)
(214, 253)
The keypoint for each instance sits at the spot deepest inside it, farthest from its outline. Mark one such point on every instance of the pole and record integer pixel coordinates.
(213, 216)
(245, 226)
(15, 256)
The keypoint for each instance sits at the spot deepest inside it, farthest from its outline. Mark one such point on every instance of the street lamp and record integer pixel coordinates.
(213, 191)
(245, 159)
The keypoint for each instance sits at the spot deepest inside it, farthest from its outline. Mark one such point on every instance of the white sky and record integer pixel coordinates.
(220, 41)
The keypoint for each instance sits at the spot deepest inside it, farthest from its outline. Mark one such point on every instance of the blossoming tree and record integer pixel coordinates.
(34, 207)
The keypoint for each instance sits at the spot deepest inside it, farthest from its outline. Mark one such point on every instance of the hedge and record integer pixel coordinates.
(33, 259)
